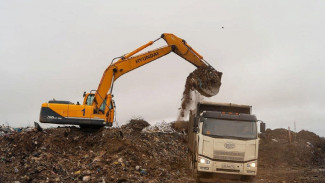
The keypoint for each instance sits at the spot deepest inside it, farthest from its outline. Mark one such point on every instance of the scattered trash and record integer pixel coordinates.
(319, 170)
(143, 172)
(86, 178)
(137, 168)
(120, 160)
(162, 127)
(136, 124)
(274, 140)
(156, 154)
(7, 130)
(309, 144)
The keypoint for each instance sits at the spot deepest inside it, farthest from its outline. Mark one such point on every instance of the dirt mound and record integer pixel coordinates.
(306, 149)
(180, 126)
(206, 80)
(107, 155)
(302, 160)
(136, 124)
(128, 155)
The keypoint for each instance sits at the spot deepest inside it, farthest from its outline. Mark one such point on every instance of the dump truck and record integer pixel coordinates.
(223, 140)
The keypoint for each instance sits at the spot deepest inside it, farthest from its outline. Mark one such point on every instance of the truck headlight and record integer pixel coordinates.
(204, 160)
(253, 165)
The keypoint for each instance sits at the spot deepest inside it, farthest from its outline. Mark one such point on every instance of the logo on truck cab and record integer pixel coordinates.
(146, 57)
(229, 145)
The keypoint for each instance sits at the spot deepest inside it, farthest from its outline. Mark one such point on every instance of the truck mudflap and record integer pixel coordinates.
(47, 115)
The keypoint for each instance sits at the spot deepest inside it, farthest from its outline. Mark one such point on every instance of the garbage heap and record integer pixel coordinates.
(278, 148)
(71, 154)
(7, 130)
(138, 152)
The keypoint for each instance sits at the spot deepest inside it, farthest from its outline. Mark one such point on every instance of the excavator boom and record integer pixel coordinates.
(130, 62)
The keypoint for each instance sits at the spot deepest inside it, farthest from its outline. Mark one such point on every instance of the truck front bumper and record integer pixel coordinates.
(238, 168)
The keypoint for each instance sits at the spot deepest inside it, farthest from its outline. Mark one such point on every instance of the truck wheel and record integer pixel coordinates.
(189, 160)
(197, 177)
(196, 174)
(247, 178)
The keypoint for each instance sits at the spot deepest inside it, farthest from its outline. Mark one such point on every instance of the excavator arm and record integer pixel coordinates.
(131, 61)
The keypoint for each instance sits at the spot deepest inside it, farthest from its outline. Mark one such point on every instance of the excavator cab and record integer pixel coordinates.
(89, 98)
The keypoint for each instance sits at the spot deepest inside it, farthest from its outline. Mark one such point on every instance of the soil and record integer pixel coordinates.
(202, 79)
(137, 124)
(301, 160)
(126, 154)
(71, 154)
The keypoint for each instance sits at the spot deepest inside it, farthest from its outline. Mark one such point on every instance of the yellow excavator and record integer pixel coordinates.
(98, 106)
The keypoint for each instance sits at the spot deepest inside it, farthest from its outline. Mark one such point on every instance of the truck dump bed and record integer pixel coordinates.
(223, 107)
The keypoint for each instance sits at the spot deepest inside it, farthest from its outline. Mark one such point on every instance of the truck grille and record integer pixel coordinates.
(227, 170)
(229, 155)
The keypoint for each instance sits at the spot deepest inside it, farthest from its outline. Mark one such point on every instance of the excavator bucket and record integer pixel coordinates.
(208, 91)
(206, 80)
(213, 87)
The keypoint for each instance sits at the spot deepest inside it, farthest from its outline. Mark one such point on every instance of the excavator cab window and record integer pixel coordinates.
(111, 105)
(102, 107)
(90, 99)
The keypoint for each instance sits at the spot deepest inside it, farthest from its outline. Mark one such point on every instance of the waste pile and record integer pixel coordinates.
(180, 126)
(305, 149)
(298, 157)
(71, 154)
(162, 127)
(7, 130)
(138, 152)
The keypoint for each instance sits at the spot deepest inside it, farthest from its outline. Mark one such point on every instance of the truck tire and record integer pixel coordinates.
(197, 176)
(248, 178)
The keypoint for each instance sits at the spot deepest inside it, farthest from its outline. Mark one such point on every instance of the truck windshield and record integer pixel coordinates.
(229, 128)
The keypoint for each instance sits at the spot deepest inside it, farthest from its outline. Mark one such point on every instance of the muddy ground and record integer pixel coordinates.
(126, 154)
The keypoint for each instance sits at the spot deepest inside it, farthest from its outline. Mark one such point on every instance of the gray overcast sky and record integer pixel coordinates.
(271, 54)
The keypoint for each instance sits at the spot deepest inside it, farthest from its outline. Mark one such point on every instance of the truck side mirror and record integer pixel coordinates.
(262, 127)
(196, 124)
(196, 121)
(195, 129)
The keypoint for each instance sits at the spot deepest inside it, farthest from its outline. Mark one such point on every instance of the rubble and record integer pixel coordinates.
(282, 161)
(86, 178)
(71, 154)
(136, 124)
(162, 127)
(128, 154)
(7, 130)
(306, 148)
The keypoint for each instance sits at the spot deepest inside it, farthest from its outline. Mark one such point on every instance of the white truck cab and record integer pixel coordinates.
(223, 139)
